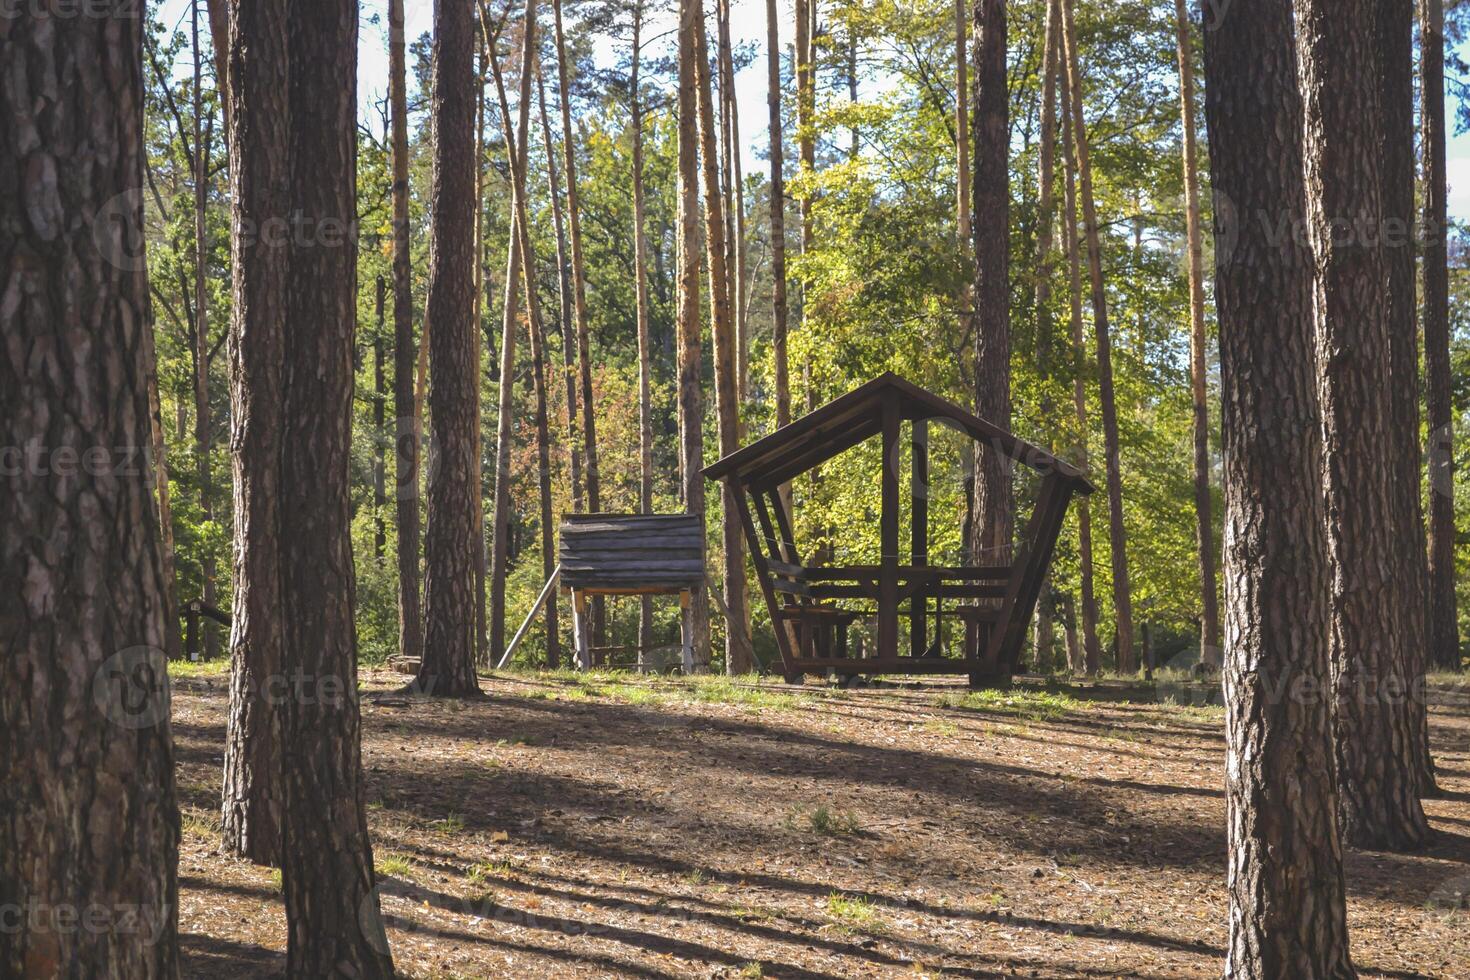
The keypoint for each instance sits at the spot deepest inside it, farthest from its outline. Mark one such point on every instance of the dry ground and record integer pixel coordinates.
(615, 827)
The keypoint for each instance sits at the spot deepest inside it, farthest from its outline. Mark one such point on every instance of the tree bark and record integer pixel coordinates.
(805, 110)
(734, 201)
(782, 368)
(1378, 781)
(1091, 647)
(334, 927)
(645, 352)
(1122, 593)
(482, 636)
(990, 235)
(739, 658)
(252, 806)
(1287, 907)
(87, 773)
(579, 303)
(407, 427)
(448, 665)
(1443, 627)
(1394, 30)
(1204, 532)
(691, 395)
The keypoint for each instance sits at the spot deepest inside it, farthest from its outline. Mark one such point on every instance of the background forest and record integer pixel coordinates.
(874, 286)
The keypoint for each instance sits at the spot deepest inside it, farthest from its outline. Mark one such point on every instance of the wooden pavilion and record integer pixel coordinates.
(812, 607)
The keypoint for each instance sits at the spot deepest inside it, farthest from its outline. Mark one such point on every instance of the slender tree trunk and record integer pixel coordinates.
(252, 805)
(1122, 593)
(1287, 905)
(1443, 626)
(778, 223)
(805, 110)
(1394, 40)
(334, 927)
(734, 201)
(517, 140)
(1076, 660)
(645, 352)
(739, 658)
(203, 422)
(564, 300)
(991, 238)
(380, 397)
(1046, 199)
(691, 395)
(579, 303)
(1092, 648)
(1204, 533)
(87, 773)
(1344, 183)
(173, 640)
(448, 667)
(407, 428)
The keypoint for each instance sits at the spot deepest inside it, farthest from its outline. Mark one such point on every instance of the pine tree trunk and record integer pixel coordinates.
(203, 417)
(1394, 40)
(517, 141)
(1379, 784)
(87, 772)
(334, 927)
(579, 303)
(564, 301)
(1046, 201)
(380, 397)
(990, 234)
(1204, 533)
(691, 395)
(1092, 647)
(252, 805)
(1443, 627)
(805, 111)
(739, 658)
(448, 666)
(645, 352)
(778, 221)
(408, 431)
(1122, 593)
(734, 201)
(1287, 907)
(482, 634)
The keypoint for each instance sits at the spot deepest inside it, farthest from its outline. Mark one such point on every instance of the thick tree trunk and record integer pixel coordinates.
(645, 352)
(691, 395)
(407, 428)
(1092, 648)
(778, 222)
(252, 805)
(991, 237)
(1379, 784)
(564, 300)
(1204, 532)
(1394, 40)
(1443, 627)
(739, 658)
(482, 634)
(87, 773)
(1287, 906)
(333, 923)
(1122, 593)
(448, 666)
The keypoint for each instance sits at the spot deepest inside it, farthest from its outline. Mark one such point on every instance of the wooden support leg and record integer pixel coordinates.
(686, 630)
(580, 630)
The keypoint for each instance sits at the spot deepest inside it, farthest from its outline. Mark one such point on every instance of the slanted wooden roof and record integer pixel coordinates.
(857, 416)
(632, 552)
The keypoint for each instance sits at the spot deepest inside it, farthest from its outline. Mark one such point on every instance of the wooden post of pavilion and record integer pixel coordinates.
(919, 534)
(888, 532)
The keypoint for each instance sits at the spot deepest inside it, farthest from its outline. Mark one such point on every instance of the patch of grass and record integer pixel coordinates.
(1029, 705)
(393, 865)
(696, 877)
(198, 824)
(853, 912)
(203, 669)
(452, 824)
(825, 821)
(486, 870)
(277, 882)
(939, 726)
(752, 971)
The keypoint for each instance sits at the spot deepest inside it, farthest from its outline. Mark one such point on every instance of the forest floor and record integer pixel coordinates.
(612, 826)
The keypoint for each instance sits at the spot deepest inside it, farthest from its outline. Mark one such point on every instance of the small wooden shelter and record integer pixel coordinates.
(631, 554)
(811, 607)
